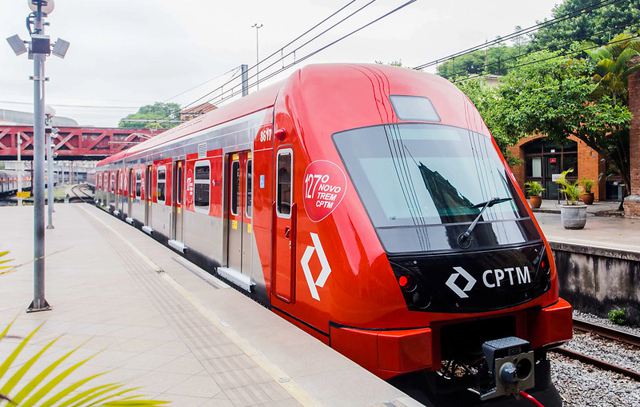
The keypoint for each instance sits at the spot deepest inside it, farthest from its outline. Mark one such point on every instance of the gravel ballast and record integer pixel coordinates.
(608, 350)
(594, 319)
(580, 384)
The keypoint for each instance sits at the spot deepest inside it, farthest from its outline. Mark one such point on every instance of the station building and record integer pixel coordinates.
(540, 159)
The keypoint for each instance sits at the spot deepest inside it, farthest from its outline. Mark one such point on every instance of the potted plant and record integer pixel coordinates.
(587, 195)
(534, 190)
(573, 214)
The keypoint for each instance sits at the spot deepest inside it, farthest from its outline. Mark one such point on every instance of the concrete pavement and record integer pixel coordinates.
(601, 232)
(162, 323)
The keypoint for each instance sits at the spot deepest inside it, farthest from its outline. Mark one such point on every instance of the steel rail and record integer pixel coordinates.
(606, 332)
(597, 362)
(85, 198)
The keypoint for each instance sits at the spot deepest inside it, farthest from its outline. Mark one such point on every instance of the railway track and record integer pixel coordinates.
(80, 194)
(605, 332)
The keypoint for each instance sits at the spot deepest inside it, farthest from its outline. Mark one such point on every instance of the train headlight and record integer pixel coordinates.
(413, 288)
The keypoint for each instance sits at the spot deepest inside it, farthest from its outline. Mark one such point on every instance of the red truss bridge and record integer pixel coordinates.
(74, 143)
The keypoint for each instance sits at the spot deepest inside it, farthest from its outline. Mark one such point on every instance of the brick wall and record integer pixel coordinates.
(590, 164)
(632, 202)
(518, 170)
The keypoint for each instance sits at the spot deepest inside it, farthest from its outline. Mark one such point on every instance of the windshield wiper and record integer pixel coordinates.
(464, 239)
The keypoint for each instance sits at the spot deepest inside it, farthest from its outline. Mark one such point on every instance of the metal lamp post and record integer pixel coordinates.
(39, 48)
(257, 27)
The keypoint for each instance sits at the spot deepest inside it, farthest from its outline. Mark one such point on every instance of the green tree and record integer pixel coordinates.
(494, 60)
(614, 65)
(557, 97)
(487, 100)
(598, 26)
(156, 116)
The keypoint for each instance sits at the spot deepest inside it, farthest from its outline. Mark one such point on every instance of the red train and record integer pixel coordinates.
(368, 205)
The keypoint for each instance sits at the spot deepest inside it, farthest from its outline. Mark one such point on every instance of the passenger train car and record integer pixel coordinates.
(9, 182)
(370, 206)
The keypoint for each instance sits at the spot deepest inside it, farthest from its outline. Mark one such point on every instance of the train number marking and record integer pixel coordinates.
(324, 273)
(451, 282)
(265, 134)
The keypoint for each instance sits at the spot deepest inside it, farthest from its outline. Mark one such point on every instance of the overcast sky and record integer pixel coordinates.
(127, 53)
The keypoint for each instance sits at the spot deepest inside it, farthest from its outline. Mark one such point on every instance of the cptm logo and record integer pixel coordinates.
(324, 273)
(490, 278)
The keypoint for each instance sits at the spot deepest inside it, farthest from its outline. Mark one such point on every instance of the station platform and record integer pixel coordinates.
(600, 232)
(164, 324)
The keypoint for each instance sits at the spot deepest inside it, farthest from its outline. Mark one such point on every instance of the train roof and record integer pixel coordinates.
(352, 84)
(249, 104)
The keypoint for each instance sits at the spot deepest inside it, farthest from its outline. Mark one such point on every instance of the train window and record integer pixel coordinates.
(416, 178)
(414, 108)
(249, 197)
(132, 182)
(161, 183)
(284, 182)
(178, 187)
(235, 187)
(426, 173)
(147, 180)
(201, 186)
(138, 183)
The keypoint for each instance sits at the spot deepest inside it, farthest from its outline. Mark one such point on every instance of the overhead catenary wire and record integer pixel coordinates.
(576, 52)
(233, 70)
(280, 50)
(310, 54)
(524, 31)
(15, 102)
(564, 44)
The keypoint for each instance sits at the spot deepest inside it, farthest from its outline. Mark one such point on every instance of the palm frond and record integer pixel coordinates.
(17, 376)
(51, 384)
(43, 390)
(8, 268)
(83, 398)
(16, 352)
(40, 377)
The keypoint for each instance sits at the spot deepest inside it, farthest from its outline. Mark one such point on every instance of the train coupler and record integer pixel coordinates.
(509, 368)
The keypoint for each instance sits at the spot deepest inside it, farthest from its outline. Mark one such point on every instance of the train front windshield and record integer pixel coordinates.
(424, 184)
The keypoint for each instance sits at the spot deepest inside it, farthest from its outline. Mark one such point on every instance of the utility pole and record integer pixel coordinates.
(39, 48)
(39, 302)
(19, 142)
(244, 69)
(257, 27)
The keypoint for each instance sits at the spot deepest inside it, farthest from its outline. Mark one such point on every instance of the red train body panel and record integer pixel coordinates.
(284, 171)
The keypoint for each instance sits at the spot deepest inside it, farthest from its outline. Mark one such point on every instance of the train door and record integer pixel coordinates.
(122, 202)
(235, 209)
(247, 212)
(131, 187)
(176, 207)
(112, 189)
(148, 194)
(118, 191)
(284, 226)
